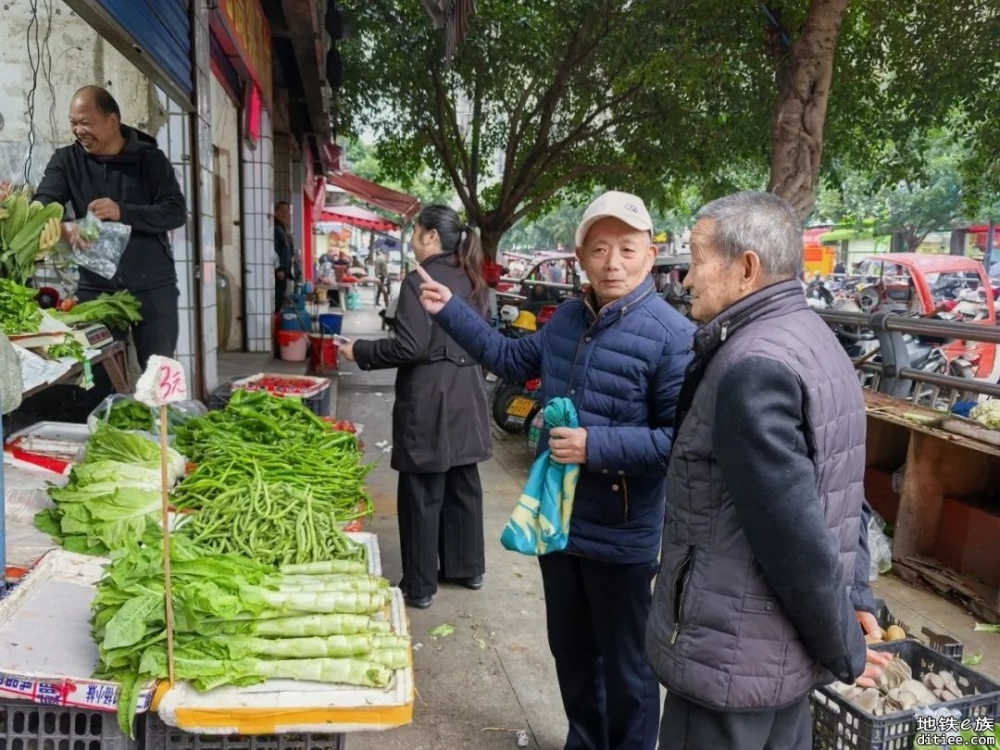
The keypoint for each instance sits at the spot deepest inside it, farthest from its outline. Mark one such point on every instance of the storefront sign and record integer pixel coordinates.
(249, 31)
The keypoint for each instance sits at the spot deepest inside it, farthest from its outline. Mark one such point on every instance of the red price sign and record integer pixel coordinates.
(163, 382)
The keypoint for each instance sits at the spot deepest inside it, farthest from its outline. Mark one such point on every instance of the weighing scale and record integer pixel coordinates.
(93, 335)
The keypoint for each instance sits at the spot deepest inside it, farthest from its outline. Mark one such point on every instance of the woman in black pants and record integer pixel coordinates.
(440, 419)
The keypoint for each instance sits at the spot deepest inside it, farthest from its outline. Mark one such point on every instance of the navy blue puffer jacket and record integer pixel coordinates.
(622, 368)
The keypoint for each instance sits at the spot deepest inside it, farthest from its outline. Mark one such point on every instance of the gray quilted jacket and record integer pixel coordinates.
(765, 491)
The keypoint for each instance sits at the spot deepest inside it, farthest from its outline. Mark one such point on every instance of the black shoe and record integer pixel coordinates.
(475, 583)
(422, 602)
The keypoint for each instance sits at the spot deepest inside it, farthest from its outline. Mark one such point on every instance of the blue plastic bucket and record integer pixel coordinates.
(294, 320)
(331, 323)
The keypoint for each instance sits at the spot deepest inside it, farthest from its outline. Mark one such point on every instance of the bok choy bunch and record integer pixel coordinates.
(239, 622)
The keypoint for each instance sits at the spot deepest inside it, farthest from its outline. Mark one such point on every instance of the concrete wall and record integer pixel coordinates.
(70, 54)
(229, 253)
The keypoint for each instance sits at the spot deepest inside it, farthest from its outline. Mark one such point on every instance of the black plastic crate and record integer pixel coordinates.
(25, 726)
(318, 404)
(943, 644)
(838, 724)
(158, 736)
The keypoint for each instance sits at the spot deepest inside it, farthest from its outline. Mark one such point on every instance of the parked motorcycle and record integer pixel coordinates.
(514, 404)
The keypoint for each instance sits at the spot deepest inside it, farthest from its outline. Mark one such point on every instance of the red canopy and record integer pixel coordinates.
(358, 217)
(401, 204)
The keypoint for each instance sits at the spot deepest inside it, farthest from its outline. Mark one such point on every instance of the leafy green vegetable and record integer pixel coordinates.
(112, 444)
(983, 628)
(113, 496)
(118, 310)
(70, 347)
(19, 310)
(129, 414)
(972, 660)
(441, 631)
(236, 624)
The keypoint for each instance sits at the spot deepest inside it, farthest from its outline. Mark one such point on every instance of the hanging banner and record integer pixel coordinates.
(248, 36)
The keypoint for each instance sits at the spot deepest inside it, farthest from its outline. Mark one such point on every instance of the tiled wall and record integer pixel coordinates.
(209, 342)
(174, 138)
(258, 243)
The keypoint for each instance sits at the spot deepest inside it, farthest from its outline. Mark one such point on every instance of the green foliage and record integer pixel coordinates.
(932, 198)
(548, 101)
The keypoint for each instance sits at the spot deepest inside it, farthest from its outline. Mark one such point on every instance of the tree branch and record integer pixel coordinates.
(578, 135)
(545, 109)
(573, 174)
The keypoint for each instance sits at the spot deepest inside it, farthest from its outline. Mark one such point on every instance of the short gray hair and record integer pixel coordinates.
(761, 222)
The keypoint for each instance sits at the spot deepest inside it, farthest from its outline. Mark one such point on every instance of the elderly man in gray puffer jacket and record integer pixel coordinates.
(753, 605)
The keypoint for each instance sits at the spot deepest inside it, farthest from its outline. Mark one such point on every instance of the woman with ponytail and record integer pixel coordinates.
(440, 419)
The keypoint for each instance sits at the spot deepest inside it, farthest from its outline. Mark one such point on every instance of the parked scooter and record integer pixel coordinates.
(514, 404)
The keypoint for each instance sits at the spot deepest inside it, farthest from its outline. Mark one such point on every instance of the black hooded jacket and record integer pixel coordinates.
(141, 180)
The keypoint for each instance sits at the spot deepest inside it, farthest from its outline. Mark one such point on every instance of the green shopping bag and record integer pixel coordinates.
(539, 523)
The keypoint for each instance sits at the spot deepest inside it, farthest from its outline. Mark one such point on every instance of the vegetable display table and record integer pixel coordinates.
(934, 476)
(112, 357)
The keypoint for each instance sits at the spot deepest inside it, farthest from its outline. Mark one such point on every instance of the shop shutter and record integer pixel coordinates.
(162, 28)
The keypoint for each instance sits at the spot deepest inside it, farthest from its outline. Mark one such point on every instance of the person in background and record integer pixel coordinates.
(492, 272)
(381, 277)
(284, 253)
(619, 355)
(117, 173)
(440, 418)
(342, 265)
(761, 571)
(840, 269)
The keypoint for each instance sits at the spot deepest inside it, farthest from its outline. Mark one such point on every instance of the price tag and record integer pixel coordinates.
(163, 382)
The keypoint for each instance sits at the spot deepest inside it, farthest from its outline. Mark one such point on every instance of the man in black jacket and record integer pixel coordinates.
(284, 252)
(117, 173)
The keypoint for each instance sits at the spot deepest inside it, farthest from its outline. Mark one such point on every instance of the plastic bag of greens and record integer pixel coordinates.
(108, 240)
(178, 413)
(879, 546)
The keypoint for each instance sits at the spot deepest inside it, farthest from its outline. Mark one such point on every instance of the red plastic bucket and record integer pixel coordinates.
(293, 345)
(324, 353)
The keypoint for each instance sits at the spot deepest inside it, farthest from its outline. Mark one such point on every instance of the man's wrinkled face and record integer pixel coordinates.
(616, 258)
(714, 281)
(92, 128)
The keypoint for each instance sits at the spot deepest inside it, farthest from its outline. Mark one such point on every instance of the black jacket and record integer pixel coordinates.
(141, 181)
(440, 418)
(283, 248)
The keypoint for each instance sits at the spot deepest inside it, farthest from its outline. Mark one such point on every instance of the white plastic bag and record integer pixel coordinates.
(879, 547)
(109, 240)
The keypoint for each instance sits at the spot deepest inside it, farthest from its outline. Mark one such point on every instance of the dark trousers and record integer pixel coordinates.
(160, 326)
(280, 291)
(596, 618)
(689, 726)
(440, 517)
(382, 289)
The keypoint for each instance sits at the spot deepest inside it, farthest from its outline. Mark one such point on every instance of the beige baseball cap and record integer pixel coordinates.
(613, 204)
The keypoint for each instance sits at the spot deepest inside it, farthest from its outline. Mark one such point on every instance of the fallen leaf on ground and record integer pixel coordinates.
(441, 631)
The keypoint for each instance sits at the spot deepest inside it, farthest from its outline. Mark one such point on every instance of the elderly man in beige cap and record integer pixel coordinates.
(619, 354)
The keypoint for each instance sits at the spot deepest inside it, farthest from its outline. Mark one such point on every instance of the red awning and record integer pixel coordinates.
(358, 217)
(403, 205)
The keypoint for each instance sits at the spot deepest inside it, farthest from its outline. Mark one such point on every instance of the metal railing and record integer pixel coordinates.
(895, 376)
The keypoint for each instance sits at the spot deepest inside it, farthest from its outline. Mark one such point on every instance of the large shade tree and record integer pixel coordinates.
(548, 99)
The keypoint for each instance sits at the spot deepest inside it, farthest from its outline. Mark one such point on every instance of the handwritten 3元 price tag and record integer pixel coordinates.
(163, 382)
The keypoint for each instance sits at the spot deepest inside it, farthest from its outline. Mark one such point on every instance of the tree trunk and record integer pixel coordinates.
(490, 237)
(956, 244)
(800, 111)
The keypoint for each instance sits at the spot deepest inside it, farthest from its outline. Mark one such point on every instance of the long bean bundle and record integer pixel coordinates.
(279, 438)
(275, 523)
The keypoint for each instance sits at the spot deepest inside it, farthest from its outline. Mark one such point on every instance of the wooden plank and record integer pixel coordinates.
(977, 597)
(923, 420)
(921, 497)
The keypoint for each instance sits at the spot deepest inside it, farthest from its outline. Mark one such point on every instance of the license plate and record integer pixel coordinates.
(520, 407)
